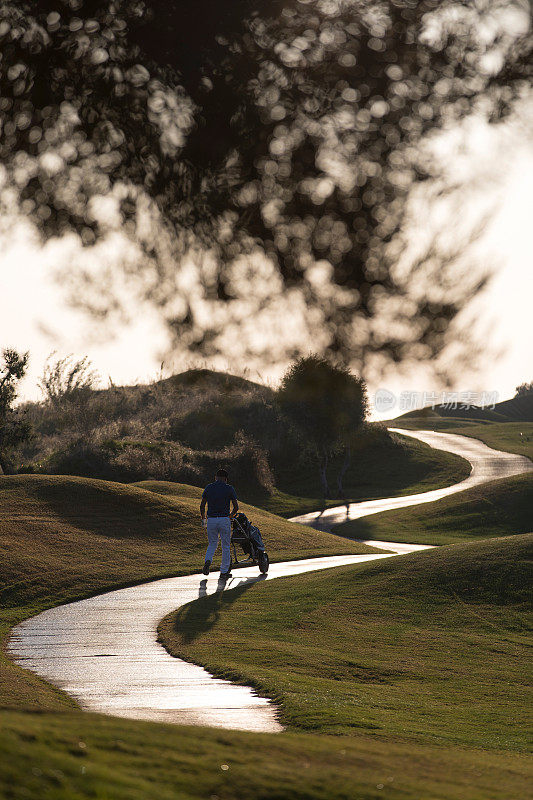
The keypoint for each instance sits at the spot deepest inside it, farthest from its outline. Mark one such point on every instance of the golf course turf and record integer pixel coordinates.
(428, 647)
(498, 508)
(70, 537)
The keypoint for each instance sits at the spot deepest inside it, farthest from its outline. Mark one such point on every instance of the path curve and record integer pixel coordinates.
(103, 650)
(487, 465)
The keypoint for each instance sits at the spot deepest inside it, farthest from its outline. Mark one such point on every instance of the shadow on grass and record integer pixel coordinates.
(200, 615)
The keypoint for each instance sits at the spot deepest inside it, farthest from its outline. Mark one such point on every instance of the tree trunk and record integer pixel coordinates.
(342, 473)
(323, 476)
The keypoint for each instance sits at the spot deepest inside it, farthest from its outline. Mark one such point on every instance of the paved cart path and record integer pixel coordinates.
(103, 650)
(487, 465)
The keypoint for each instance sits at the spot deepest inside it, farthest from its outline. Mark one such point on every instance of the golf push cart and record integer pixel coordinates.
(248, 537)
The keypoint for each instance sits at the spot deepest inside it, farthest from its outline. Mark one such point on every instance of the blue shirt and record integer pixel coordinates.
(218, 495)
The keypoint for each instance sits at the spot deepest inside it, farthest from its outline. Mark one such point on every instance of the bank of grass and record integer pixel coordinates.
(426, 648)
(498, 508)
(75, 756)
(63, 538)
(512, 437)
(409, 467)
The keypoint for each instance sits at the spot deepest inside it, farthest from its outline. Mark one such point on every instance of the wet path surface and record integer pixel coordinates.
(103, 650)
(487, 465)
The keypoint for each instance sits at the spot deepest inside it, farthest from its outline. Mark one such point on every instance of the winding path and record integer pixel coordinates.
(487, 465)
(103, 650)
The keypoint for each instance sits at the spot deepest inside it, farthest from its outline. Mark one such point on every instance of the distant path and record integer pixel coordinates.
(487, 465)
(103, 650)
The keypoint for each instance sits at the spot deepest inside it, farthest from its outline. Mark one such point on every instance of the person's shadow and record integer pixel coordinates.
(200, 615)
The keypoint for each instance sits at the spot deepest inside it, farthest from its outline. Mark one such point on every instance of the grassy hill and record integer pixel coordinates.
(63, 538)
(182, 428)
(430, 647)
(517, 409)
(498, 508)
(67, 537)
(395, 466)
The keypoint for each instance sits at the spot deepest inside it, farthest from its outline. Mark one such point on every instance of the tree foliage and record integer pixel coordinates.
(14, 429)
(327, 404)
(290, 129)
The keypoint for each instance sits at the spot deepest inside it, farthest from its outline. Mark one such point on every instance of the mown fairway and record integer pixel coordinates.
(396, 659)
(430, 647)
(64, 538)
(499, 508)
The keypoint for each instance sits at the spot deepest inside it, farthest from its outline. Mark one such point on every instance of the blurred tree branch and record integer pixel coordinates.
(210, 132)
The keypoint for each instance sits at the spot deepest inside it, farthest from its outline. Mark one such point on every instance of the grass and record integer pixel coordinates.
(512, 437)
(498, 508)
(427, 648)
(64, 538)
(407, 468)
(75, 756)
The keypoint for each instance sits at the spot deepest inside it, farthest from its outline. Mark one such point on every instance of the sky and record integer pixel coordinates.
(35, 315)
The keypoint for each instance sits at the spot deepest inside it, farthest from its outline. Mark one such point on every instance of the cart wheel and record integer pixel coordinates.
(263, 562)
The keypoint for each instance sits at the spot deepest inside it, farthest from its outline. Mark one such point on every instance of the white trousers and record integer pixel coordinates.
(219, 528)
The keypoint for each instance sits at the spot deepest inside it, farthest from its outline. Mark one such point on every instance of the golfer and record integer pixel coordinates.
(217, 497)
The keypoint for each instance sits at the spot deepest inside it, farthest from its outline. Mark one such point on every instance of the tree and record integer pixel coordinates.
(523, 389)
(287, 128)
(67, 379)
(14, 429)
(328, 405)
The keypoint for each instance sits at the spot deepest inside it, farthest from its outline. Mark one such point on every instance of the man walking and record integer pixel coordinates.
(217, 497)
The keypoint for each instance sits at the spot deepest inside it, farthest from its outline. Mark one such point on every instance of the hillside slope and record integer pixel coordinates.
(517, 409)
(427, 647)
(63, 538)
(498, 508)
(181, 429)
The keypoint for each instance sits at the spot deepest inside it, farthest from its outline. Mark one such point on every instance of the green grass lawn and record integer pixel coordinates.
(64, 538)
(512, 437)
(427, 648)
(498, 508)
(381, 472)
(75, 756)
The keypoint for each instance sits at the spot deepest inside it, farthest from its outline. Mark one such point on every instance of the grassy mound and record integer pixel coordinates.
(74, 756)
(183, 428)
(499, 508)
(390, 467)
(517, 409)
(63, 538)
(428, 647)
